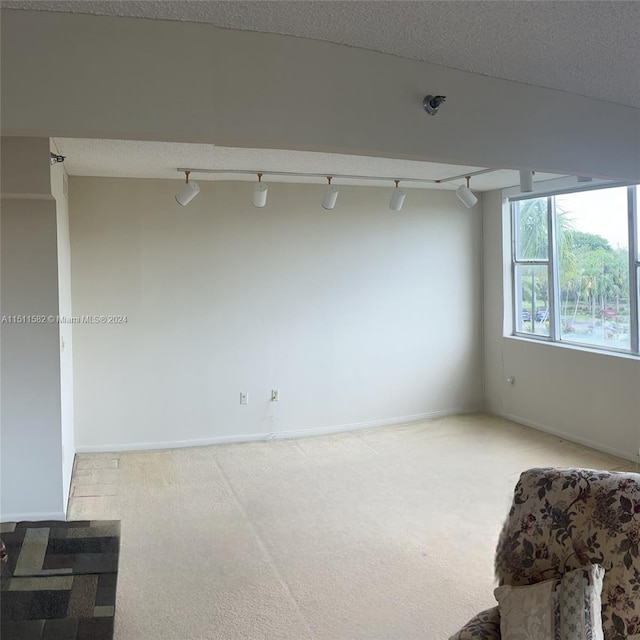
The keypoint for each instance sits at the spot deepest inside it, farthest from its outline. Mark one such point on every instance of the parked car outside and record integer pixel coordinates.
(542, 314)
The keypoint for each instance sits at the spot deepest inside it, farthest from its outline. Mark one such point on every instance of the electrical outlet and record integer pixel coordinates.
(244, 397)
(275, 395)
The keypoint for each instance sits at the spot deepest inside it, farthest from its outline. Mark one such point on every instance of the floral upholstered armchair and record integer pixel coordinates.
(564, 519)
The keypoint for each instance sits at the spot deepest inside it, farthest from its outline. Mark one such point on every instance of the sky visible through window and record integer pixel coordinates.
(601, 212)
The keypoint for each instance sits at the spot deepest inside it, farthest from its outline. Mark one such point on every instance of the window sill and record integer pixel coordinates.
(545, 342)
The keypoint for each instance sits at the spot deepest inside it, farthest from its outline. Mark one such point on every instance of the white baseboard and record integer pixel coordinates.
(342, 428)
(598, 446)
(35, 517)
(276, 435)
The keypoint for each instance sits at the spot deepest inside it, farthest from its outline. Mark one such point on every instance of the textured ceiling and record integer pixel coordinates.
(585, 47)
(138, 159)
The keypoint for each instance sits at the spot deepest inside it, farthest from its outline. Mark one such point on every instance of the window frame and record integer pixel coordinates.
(634, 266)
(530, 262)
(553, 269)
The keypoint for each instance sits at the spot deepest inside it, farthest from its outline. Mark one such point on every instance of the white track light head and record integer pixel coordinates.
(330, 196)
(465, 195)
(260, 193)
(397, 198)
(190, 191)
(526, 181)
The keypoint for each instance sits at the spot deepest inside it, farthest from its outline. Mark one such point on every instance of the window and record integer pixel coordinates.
(576, 269)
(531, 270)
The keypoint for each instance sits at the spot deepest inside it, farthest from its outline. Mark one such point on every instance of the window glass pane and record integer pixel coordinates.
(532, 234)
(532, 299)
(638, 221)
(593, 255)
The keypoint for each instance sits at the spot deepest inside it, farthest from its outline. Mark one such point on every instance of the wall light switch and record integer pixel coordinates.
(244, 397)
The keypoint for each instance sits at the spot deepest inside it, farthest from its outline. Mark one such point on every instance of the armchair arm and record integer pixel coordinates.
(484, 626)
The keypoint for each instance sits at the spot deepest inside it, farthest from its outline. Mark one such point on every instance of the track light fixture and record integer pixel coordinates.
(331, 192)
(431, 104)
(190, 191)
(260, 193)
(465, 195)
(526, 181)
(397, 198)
(330, 195)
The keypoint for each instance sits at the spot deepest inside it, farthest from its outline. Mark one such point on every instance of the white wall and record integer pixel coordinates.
(59, 192)
(188, 82)
(584, 396)
(359, 316)
(31, 451)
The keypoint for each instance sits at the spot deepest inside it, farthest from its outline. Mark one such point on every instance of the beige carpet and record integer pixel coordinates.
(386, 533)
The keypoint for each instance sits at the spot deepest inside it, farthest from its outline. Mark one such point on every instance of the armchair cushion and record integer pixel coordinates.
(554, 609)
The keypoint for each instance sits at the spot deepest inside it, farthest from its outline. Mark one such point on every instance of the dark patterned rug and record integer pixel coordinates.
(59, 581)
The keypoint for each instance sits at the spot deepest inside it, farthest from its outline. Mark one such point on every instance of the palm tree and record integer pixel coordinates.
(532, 240)
(532, 243)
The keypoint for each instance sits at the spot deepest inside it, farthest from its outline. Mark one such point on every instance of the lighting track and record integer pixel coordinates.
(323, 176)
(465, 175)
